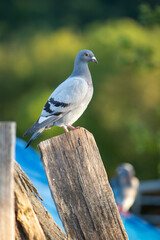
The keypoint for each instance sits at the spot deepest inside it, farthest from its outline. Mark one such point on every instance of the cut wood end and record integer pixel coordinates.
(72, 133)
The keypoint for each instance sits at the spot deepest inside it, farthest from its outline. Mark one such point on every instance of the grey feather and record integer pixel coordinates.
(34, 136)
(36, 126)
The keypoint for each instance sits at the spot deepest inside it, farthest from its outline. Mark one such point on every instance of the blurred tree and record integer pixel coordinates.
(149, 16)
(124, 114)
(18, 15)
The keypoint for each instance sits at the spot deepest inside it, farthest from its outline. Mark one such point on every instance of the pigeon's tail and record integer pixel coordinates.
(32, 129)
(34, 136)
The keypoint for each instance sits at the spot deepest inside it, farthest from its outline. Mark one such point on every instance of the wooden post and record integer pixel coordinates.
(80, 187)
(7, 149)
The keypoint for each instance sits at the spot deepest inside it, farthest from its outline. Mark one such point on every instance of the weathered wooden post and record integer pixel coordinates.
(7, 149)
(80, 187)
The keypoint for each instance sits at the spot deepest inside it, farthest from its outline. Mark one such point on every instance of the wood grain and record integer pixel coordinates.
(32, 221)
(7, 151)
(80, 187)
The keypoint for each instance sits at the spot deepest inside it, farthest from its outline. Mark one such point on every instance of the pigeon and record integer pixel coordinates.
(69, 100)
(125, 187)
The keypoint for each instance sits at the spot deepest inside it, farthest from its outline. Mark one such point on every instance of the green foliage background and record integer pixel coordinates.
(124, 114)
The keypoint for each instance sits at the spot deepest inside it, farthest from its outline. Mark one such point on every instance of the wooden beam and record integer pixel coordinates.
(149, 186)
(80, 187)
(7, 152)
(150, 201)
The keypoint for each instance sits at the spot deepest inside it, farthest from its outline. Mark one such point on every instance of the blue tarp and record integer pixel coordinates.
(138, 229)
(29, 160)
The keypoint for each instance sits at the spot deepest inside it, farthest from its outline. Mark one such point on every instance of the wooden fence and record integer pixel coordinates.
(78, 183)
(147, 204)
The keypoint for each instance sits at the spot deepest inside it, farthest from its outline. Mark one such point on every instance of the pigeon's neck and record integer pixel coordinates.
(81, 69)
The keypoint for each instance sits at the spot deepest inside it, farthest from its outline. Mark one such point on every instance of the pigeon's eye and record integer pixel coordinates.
(86, 54)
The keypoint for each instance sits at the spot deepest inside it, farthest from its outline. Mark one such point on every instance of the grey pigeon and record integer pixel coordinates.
(69, 100)
(125, 186)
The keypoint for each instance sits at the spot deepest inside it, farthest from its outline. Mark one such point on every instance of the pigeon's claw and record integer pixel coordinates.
(73, 128)
(122, 212)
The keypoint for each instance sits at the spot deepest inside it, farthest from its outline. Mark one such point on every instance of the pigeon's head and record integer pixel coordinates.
(125, 170)
(86, 56)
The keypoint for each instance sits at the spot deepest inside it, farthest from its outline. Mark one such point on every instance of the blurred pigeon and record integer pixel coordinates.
(125, 187)
(69, 100)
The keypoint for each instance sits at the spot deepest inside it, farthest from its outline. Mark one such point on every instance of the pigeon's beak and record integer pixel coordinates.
(94, 60)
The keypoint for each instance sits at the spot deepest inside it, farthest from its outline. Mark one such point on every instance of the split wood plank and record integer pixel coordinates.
(33, 221)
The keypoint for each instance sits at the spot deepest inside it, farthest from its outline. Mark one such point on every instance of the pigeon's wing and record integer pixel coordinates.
(66, 97)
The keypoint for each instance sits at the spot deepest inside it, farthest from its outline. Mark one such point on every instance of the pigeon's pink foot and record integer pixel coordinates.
(65, 128)
(119, 208)
(77, 127)
(123, 213)
(73, 128)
